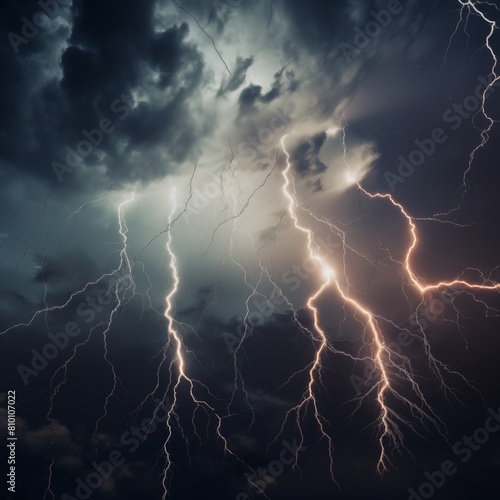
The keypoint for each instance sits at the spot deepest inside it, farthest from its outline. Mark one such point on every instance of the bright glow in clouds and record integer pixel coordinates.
(259, 230)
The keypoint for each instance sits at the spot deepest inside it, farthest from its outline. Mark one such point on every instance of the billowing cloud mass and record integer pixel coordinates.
(250, 245)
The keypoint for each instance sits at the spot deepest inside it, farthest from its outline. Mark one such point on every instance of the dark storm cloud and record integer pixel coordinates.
(315, 23)
(248, 97)
(15, 299)
(238, 77)
(305, 157)
(293, 82)
(58, 271)
(49, 270)
(212, 15)
(320, 26)
(318, 32)
(275, 88)
(252, 94)
(204, 296)
(114, 56)
(36, 441)
(317, 186)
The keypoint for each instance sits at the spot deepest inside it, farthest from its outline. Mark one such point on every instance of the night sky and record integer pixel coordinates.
(249, 249)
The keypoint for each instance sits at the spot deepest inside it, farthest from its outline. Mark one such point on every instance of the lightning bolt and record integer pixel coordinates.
(388, 363)
(124, 266)
(473, 8)
(120, 301)
(328, 275)
(485, 284)
(383, 358)
(178, 368)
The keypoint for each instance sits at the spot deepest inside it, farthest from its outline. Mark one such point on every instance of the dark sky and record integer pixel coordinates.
(207, 211)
